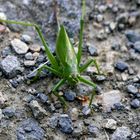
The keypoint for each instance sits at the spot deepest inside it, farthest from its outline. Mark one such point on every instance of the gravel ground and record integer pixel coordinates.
(111, 36)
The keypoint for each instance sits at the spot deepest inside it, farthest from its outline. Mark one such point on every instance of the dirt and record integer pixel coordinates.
(128, 117)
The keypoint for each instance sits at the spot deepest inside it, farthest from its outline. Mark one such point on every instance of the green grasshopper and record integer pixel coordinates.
(66, 64)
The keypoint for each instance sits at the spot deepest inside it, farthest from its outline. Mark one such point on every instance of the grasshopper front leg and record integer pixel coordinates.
(50, 56)
(88, 63)
(44, 66)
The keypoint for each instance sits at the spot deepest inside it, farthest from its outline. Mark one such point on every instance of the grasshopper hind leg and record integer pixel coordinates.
(87, 82)
(54, 91)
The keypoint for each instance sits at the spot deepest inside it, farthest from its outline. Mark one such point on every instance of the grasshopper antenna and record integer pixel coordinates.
(56, 14)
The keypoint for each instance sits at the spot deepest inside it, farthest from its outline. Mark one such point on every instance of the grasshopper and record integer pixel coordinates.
(66, 63)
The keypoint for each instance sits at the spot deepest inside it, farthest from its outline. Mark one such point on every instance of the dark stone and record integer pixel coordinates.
(137, 46)
(93, 130)
(121, 66)
(29, 98)
(9, 111)
(30, 129)
(65, 124)
(14, 83)
(70, 95)
(100, 78)
(42, 97)
(118, 106)
(135, 103)
(132, 36)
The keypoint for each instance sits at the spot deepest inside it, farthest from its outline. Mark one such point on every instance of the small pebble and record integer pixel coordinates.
(132, 36)
(78, 128)
(86, 110)
(42, 97)
(132, 20)
(65, 124)
(35, 48)
(132, 89)
(3, 16)
(109, 124)
(121, 26)
(100, 18)
(19, 46)
(121, 65)
(29, 63)
(101, 35)
(35, 55)
(102, 8)
(14, 83)
(26, 38)
(74, 113)
(100, 78)
(37, 110)
(122, 18)
(30, 129)
(115, 9)
(10, 66)
(70, 95)
(6, 51)
(135, 103)
(137, 46)
(118, 106)
(92, 129)
(29, 56)
(9, 111)
(41, 58)
(115, 47)
(53, 121)
(29, 98)
(112, 26)
(92, 50)
(121, 133)
(2, 28)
